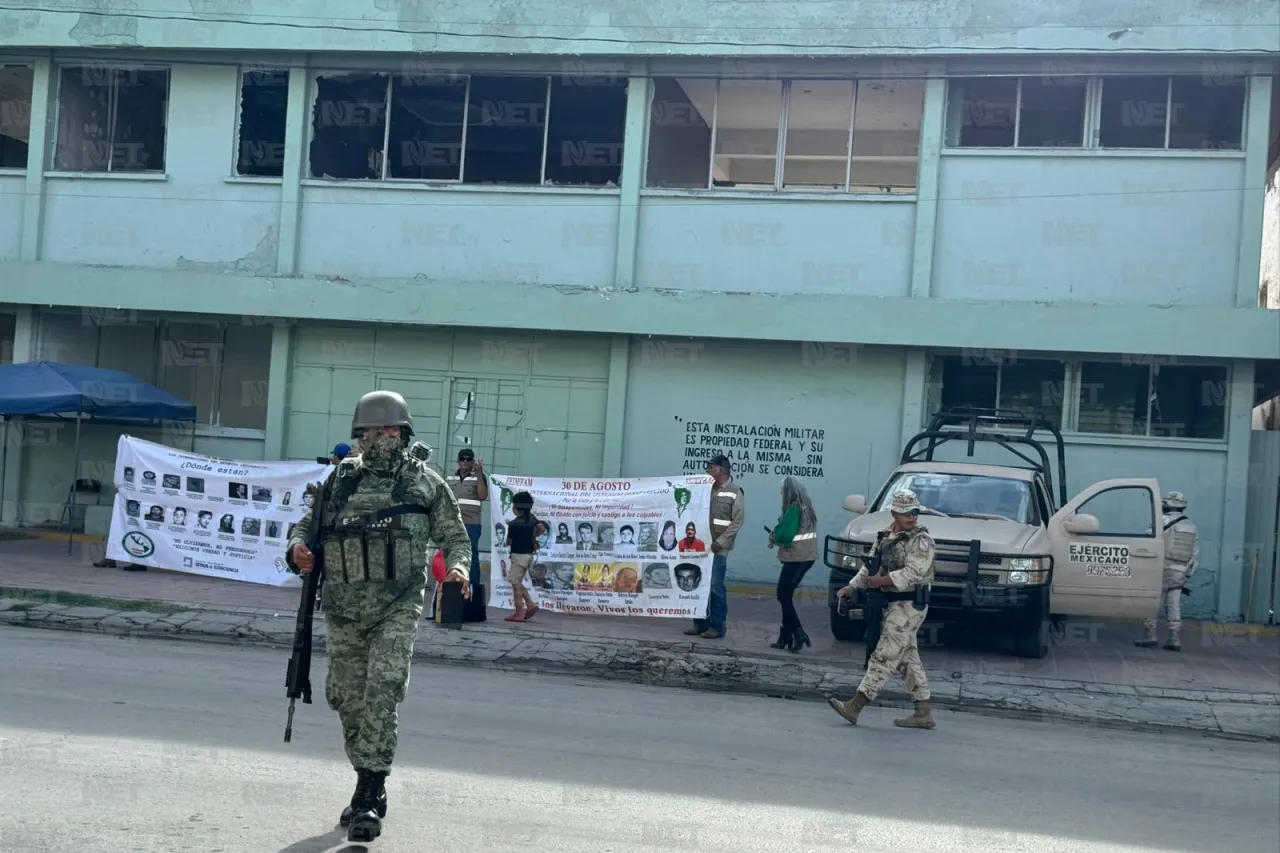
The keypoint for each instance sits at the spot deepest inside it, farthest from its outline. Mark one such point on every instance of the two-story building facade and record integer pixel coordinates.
(593, 244)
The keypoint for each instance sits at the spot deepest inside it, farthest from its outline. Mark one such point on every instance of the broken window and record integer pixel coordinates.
(16, 82)
(111, 119)
(1179, 112)
(264, 107)
(1031, 386)
(1171, 400)
(849, 136)
(475, 130)
(1017, 112)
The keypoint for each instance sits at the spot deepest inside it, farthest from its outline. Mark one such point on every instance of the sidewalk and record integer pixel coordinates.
(1225, 681)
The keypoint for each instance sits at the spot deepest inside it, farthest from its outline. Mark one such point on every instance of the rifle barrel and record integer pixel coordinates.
(288, 726)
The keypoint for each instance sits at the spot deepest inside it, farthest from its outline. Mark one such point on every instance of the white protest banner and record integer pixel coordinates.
(207, 516)
(625, 547)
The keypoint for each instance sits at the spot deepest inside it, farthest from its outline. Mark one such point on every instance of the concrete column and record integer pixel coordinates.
(278, 390)
(927, 181)
(1231, 568)
(295, 159)
(913, 395)
(24, 349)
(615, 413)
(1253, 198)
(634, 148)
(38, 146)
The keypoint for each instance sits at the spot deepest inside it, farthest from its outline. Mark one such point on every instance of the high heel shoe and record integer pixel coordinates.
(799, 640)
(784, 638)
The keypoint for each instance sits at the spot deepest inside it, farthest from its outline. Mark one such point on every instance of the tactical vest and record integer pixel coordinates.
(361, 545)
(893, 550)
(1180, 540)
(467, 492)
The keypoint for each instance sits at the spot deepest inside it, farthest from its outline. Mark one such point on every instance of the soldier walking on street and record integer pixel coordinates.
(375, 517)
(906, 553)
(1181, 554)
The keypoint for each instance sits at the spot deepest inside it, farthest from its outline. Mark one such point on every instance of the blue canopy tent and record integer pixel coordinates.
(46, 388)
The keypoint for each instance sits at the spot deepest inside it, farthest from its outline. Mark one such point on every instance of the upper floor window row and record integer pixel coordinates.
(469, 129)
(858, 136)
(1178, 112)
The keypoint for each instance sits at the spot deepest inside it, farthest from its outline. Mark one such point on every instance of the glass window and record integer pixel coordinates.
(111, 119)
(586, 125)
(1207, 113)
(746, 133)
(506, 129)
(1134, 112)
(1190, 401)
(1113, 398)
(1030, 386)
(680, 121)
(8, 327)
(966, 495)
(1051, 112)
(887, 115)
(424, 139)
(819, 123)
(1126, 511)
(982, 112)
(16, 83)
(264, 110)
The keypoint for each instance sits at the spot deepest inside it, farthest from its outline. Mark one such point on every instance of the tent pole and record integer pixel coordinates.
(75, 475)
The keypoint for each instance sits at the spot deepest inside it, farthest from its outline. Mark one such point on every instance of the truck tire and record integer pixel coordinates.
(847, 630)
(1031, 637)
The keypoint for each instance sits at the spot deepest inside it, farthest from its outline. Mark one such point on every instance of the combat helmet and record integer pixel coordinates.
(1175, 500)
(381, 409)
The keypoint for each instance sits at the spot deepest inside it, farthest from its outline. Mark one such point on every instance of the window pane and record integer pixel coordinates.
(16, 82)
(84, 119)
(8, 327)
(886, 135)
(680, 133)
(1126, 511)
(981, 112)
(584, 143)
(968, 384)
(1207, 113)
(427, 115)
(747, 116)
(1134, 110)
(142, 99)
(1052, 112)
(69, 338)
(1190, 401)
(264, 109)
(349, 126)
(1033, 388)
(242, 387)
(189, 357)
(506, 127)
(818, 123)
(131, 347)
(1113, 398)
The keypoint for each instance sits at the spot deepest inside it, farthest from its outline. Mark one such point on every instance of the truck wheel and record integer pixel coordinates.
(1031, 640)
(847, 630)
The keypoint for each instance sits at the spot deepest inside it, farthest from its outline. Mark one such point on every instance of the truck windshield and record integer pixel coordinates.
(967, 495)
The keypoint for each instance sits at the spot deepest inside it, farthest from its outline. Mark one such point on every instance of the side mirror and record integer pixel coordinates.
(1081, 524)
(856, 504)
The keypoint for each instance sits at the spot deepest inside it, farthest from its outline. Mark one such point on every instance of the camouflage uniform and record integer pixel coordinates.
(374, 593)
(907, 557)
(1181, 555)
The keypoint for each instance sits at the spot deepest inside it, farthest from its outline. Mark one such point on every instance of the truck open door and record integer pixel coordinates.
(1108, 551)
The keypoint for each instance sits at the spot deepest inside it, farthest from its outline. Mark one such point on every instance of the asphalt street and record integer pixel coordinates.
(140, 745)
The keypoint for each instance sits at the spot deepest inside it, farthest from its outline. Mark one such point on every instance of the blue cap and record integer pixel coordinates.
(341, 450)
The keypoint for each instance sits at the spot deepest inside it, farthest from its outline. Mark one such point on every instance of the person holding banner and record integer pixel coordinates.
(377, 516)
(728, 511)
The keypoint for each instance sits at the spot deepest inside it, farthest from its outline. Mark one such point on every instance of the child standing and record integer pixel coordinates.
(522, 542)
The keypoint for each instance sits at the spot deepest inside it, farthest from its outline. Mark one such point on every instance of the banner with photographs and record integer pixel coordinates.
(205, 515)
(634, 547)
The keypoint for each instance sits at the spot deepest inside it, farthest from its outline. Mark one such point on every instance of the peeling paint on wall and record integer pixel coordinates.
(261, 261)
(106, 22)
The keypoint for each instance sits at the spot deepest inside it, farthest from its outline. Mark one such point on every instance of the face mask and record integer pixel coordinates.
(379, 452)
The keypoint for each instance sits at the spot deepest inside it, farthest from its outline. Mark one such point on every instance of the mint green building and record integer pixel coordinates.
(605, 240)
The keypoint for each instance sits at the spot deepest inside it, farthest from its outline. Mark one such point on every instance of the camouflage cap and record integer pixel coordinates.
(905, 502)
(1175, 500)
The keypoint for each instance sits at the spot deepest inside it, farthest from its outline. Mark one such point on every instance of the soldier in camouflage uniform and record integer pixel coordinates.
(375, 580)
(1181, 554)
(906, 562)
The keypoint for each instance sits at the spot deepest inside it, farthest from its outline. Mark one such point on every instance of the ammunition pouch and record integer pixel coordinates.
(374, 548)
(920, 599)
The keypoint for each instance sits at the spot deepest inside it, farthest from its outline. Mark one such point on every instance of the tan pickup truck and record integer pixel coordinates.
(1010, 558)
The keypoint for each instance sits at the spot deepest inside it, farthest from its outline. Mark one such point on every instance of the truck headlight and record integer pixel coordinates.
(1024, 570)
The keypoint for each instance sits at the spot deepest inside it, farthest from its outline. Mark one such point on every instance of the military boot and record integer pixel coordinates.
(849, 709)
(1175, 641)
(1148, 640)
(366, 822)
(921, 718)
(362, 782)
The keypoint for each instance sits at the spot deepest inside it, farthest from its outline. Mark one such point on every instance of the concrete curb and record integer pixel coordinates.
(1250, 716)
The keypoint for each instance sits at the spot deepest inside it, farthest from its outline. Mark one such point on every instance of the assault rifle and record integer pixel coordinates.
(297, 681)
(873, 601)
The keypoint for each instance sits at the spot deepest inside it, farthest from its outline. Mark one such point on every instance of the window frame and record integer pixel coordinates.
(56, 136)
(1092, 141)
(1151, 499)
(238, 111)
(1064, 408)
(780, 152)
(30, 66)
(1151, 390)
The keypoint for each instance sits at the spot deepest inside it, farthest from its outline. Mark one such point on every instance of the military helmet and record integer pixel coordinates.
(381, 409)
(1175, 500)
